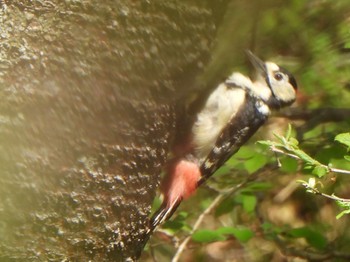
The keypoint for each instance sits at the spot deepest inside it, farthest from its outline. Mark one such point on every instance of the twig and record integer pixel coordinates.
(331, 169)
(319, 115)
(276, 150)
(210, 208)
(199, 221)
(333, 197)
(340, 171)
(314, 117)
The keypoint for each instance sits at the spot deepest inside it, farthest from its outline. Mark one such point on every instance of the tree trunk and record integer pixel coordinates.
(86, 120)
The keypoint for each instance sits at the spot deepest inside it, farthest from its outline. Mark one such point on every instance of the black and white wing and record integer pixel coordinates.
(251, 116)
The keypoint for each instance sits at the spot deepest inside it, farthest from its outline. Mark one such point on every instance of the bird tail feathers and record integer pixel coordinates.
(164, 213)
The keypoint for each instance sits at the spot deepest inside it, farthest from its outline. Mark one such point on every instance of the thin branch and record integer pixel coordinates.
(340, 171)
(211, 207)
(317, 192)
(319, 115)
(315, 117)
(280, 151)
(199, 221)
(331, 169)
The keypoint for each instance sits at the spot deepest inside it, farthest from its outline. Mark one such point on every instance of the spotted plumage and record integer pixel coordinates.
(239, 129)
(232, 113)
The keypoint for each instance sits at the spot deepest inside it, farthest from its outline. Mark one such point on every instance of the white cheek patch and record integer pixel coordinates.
(283, 91)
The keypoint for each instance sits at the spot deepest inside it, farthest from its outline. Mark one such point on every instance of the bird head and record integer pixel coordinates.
(282, 83)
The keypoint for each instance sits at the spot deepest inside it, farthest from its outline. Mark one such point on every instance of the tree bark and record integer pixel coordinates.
(86, 119)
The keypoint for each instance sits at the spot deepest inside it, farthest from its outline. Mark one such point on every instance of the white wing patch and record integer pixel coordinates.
(216, 150)
(208, 164)
(262, 108)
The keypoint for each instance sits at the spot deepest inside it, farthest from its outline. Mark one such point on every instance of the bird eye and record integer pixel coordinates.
(278, 76)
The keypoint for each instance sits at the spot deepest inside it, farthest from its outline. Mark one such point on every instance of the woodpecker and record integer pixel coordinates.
(232, 113)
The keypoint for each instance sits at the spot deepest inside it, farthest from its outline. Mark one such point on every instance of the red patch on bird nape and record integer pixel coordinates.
(303, 99)
(181, 182)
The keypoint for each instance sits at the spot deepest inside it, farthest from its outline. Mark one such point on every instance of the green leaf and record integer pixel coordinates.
(182, 216)
(156, 203)
(249, 203)
(289, 165)
(343, 204)
(255, 163)
(314, 238)
(266, 226)
(233, 162)
(225, 169)
(257, 186)
(341, 163)
(280, 138)
(347, 158)
(344, 139)
(245, 152)
(173, 225)
(266, 142)
(289, 132)
(225, 207)
(293, 142)
(177, 223)
(241, 234)
(205, 236)
(344, 212)
(305, 157)
(308, 166)
(320, 171)
(325, 155)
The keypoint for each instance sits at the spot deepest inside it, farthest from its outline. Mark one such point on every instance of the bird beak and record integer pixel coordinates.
(257, 63)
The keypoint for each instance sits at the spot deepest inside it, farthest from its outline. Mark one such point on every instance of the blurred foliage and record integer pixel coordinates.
(264, 214)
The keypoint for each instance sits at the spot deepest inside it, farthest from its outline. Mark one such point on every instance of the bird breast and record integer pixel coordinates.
(221, 106)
